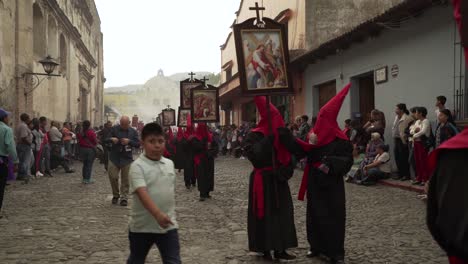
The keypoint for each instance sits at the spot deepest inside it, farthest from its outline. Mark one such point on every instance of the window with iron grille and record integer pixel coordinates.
(460, 82)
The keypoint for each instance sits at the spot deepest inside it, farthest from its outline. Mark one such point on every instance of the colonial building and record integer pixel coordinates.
(405, 51)
(236, 109)
(70, 32)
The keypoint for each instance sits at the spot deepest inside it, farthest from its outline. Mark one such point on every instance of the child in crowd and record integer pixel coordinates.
(152, 184)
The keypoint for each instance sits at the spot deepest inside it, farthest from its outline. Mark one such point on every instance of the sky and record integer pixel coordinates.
(143, 36)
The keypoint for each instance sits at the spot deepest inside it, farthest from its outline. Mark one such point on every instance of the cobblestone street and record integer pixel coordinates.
(59, 220)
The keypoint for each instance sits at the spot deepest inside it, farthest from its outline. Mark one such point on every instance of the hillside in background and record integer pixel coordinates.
(149, 99)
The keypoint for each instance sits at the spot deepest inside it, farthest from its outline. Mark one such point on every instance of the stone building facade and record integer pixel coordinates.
(70, 32)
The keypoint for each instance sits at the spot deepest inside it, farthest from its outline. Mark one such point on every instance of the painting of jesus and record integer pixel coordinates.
(205, 105)
(264, 60)
(185, 87)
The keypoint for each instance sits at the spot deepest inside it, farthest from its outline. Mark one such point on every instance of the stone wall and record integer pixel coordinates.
(70, 32)
(327, 19)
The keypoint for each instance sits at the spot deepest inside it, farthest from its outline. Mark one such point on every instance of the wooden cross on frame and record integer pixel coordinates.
(204, 80)
(191, 75)
(257, 9)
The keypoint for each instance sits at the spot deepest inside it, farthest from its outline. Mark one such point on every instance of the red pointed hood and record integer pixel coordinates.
(326, 127)
(202, 132)
(189, 129)
(180, 134)
(170, 135)
(459, 141)
(282, 154)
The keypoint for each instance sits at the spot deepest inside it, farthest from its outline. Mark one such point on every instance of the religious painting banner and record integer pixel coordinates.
(182, 117)
(205, 104)
(160, 118)
(185, 87)
(263, 57)
(168, 117)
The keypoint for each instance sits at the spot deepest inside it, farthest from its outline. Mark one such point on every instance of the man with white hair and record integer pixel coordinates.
(123, 139)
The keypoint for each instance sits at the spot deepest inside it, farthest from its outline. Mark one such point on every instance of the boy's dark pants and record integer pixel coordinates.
(141, 243)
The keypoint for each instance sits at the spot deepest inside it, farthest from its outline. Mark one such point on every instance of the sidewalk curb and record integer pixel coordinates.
(402, 185)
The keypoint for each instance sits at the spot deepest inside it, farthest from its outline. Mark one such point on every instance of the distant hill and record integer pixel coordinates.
(124, 89)
(184, 75)
(214, 79)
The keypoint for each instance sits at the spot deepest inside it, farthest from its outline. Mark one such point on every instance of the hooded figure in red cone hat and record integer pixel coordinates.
(180, 155)
(170, 151)
(270, 211)
(447, 199)
(201, 145)
(329, 158)
(188, 164)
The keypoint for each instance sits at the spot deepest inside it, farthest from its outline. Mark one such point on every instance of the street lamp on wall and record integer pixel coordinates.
(32, 78)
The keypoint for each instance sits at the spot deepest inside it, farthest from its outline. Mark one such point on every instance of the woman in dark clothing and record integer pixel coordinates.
(88, 142)
(446, 128)
(270, 212)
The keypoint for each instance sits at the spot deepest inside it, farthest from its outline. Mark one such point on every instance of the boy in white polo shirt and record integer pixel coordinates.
(152, 185)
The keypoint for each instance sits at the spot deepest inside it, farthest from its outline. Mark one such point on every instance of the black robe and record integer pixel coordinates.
(447, 204)
(326, 201)
(170, 147)
(276, 231)
(205, 180)
(211, 154)
(189, 174)
(180, 156)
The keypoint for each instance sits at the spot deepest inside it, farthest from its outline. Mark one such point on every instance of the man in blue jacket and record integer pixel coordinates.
(123, 139)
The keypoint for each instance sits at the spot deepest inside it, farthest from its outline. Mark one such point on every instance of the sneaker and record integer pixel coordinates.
(39, 174)
(123, 203)
(115, 200)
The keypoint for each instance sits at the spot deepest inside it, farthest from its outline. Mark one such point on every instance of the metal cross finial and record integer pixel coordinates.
(168, 107)
(257, 10)
(205, 79)
(191, 75)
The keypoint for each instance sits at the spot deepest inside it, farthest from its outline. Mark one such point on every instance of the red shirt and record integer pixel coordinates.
(87, 141)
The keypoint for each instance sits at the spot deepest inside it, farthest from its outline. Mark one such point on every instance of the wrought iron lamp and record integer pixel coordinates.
(32, 78)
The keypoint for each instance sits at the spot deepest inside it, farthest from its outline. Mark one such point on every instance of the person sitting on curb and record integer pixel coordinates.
(379, 169)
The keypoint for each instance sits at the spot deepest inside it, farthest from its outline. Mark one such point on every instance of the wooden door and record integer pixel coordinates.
(366, 97)
(326, 92)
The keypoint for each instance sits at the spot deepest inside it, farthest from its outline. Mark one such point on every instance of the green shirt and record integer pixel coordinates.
(7, 142)
(159, 179)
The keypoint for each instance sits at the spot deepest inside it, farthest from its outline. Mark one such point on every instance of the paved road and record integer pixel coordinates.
(59, 220)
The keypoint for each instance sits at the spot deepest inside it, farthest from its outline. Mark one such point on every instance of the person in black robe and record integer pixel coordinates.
(447, 202)
(180, 155)
(212, 153)
(270, 221)
(200, 144)
(189, 168)
(170, 145)
(329, 158)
